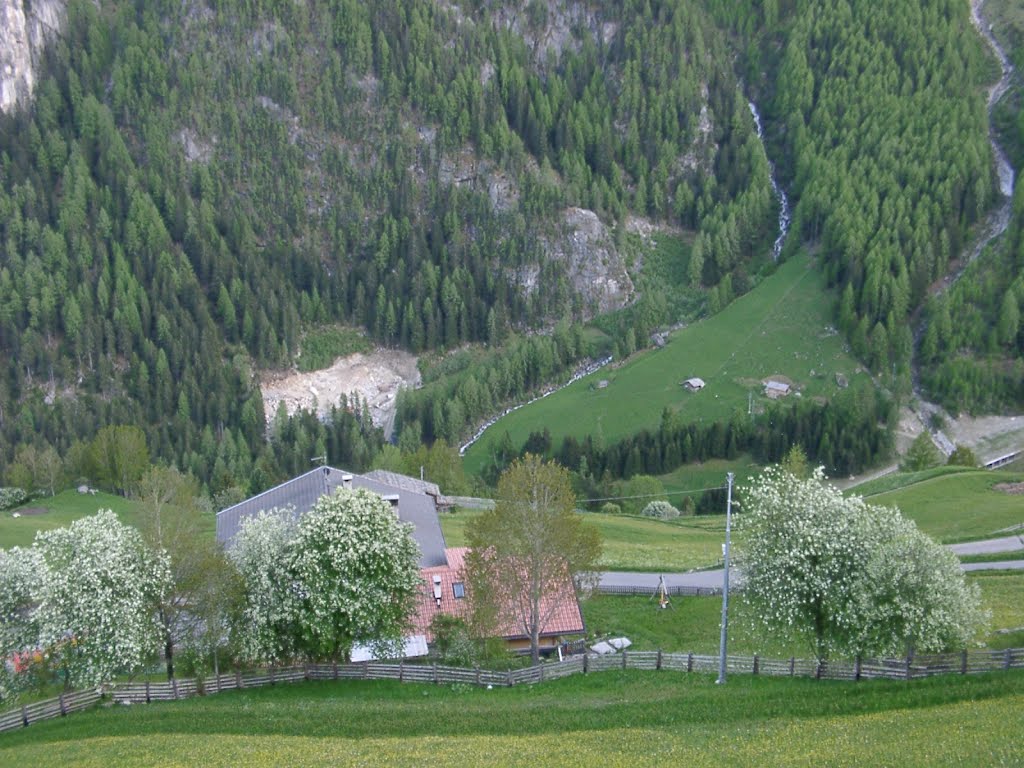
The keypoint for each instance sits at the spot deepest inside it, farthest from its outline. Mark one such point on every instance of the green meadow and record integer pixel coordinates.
(635, 543)
(959, 506)
(693, 623)
(609, 719)
(781, 329)
(48, 512)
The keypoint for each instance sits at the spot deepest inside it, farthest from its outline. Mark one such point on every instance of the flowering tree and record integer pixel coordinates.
(354, 569)
(345, 572)
(849, 577)
(263, 631)
(94, 601)
(19, 575)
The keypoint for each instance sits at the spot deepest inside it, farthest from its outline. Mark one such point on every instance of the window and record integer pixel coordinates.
(459, 590)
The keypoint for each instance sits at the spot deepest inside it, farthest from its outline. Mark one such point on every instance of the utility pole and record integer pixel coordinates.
(725, 583)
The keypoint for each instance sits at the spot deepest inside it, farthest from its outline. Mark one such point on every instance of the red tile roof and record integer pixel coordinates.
(566, 618)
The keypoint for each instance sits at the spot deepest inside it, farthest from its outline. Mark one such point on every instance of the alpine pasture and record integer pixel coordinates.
(782, 329)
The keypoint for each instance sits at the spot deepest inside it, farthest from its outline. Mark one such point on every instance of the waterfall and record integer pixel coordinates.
(779, 192)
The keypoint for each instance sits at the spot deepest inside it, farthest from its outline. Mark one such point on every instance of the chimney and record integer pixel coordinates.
(437, 590)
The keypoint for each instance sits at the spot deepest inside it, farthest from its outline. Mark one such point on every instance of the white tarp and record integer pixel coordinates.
(416, 645)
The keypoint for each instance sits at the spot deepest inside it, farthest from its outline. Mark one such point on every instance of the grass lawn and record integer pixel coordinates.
(783, 327)
(693, 623)
(961, 506)
(609, 719)
(61, 510)
(634, 543)
(66, 507)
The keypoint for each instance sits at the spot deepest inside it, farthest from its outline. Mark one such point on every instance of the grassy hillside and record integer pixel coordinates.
(611, 719)
(781, 329)
(635, 543)
(964, 505)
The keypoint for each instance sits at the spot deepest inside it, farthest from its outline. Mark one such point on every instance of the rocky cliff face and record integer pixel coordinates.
(25, 27)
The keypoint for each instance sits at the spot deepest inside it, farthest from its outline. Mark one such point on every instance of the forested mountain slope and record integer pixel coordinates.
(193, 187)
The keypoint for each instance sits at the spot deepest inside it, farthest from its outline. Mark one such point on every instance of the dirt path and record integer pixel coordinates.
(375, 377)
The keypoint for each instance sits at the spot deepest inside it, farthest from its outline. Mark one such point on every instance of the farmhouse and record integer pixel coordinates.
(776, 389)
(416, 502)
(444, 592)
(301, 493)
(693, 384)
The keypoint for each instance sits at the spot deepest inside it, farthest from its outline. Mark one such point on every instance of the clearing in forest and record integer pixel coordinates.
(783, 328)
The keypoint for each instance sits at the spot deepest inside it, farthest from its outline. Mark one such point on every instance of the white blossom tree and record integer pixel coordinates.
(345, 572)
(354, 570)
(94, 603)
(848, 577)
(263, 631)
(19, 576)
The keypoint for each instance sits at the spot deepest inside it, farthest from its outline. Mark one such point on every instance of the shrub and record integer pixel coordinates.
(611, 508)
(660, 509)
(12, 497)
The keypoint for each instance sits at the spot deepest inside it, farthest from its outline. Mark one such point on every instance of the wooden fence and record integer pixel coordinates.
(909, 668)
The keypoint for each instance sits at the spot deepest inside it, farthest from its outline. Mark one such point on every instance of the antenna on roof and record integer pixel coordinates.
(322, 460)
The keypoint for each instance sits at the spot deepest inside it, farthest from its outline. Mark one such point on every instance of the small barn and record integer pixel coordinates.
(775, 389)
(693, 385)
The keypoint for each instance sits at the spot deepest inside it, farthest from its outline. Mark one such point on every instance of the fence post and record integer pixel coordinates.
(1006, 659)
(272, 680)
(910, 659)
(24, 716)
(305, 670)
(755, 664)
(148, 700)
(63, 709)
(689, 662)
(478, 674)
(657, 664)
(586, 663)
(174, 687)
(334, 670)
(366, 669)
(541, 672)
(624, 652)
(856, 668)
(401, 671)
(963, 662)
(434, 666)
(509, 678)
(238, 678)
(792, 665)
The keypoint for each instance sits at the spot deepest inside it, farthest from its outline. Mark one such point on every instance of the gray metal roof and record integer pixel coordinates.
(302, 492)
(404, 482)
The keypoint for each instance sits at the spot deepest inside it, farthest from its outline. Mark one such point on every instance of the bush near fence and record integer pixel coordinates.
(909, 668)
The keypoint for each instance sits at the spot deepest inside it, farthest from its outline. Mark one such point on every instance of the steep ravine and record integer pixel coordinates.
(993, 226)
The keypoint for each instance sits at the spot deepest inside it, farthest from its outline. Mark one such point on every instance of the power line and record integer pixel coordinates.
(652, 495)
(628, 498)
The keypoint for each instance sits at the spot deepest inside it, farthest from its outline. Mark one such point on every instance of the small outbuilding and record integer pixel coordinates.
(775, 389)
(694, 384)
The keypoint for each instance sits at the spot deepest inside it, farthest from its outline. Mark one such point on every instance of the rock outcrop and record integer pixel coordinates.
(25, 28)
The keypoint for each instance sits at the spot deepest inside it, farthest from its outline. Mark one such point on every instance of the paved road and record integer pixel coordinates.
(1002, 565)
(713, 578)
(989, 546)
